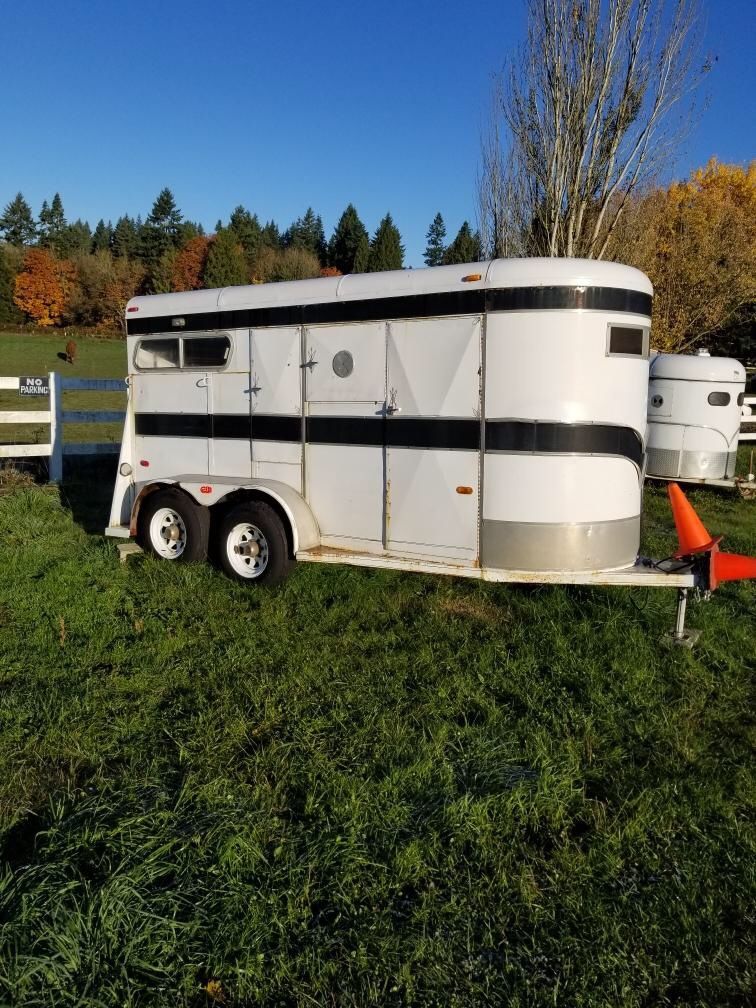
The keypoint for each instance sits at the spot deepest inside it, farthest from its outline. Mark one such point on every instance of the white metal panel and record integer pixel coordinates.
(276, 372)
(229, 394)
(284, 472)
(173, 392)
(558, 272)
(433, 371)
(424, 512)
(433, 366)
(698, 367)
(366, 342)
(559, 488)
(10, 384)
(552, 365)
(345, 491)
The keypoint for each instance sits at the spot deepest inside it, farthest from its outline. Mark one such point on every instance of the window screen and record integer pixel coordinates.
(157, 353)
(624, 340)
(719, 398)
(206, 352)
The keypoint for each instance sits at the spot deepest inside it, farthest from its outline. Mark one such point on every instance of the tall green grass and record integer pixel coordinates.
(367, 788)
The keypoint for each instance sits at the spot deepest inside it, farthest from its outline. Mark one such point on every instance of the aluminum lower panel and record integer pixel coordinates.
(532, 546)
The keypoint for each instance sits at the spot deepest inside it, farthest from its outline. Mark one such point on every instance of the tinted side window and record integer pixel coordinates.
(625, 340)
(157, 353)
(719, 398)
(206, 352)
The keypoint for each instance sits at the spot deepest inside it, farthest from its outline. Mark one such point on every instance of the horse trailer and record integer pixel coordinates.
(485, 421)
(694, 417)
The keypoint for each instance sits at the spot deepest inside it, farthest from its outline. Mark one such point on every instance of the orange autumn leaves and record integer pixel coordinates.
(43, 287)
(696, 240)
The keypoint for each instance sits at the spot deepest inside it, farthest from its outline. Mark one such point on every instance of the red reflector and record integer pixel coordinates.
(206, 489)
(132, 309)
(143, 462)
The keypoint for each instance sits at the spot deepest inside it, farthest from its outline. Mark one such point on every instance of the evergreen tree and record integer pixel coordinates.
(54, 226)
(102, 237)
(307, 233)
(8, 310)
(76, 237)
(349, 238)
(271, 236)
(362, 255)
(436, 239)
(166, 216)
(189, 230)
(162, 229)
(225, 266)
(17, 222)
(386, 249)
(247, 229)
(124, 241)
(465, 248)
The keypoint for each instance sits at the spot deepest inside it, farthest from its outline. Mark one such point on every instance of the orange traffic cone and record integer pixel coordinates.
(732, 567)
(691, 533)
(693, 538)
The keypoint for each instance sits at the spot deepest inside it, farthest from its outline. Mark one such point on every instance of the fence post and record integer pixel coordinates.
(56, 428)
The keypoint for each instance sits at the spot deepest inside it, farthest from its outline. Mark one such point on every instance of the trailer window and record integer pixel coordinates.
(206, 352)
(157, 353)
(719, 398)
(626, 341)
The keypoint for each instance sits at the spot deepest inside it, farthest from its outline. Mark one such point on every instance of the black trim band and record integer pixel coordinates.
(563, 439)
(469, 302)
(454, 434)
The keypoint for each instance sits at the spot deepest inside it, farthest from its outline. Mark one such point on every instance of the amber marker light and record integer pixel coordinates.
(464, 490)
(471, 276)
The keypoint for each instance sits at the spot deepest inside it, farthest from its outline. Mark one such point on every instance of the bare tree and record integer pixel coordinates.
(592, 107)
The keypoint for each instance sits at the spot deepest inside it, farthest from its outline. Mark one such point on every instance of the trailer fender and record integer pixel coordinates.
(304, 529)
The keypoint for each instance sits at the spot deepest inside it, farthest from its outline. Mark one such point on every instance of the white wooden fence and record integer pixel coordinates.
(57, 417)
(744, 435)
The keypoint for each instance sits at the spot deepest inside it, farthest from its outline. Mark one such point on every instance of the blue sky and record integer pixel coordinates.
(284, 105)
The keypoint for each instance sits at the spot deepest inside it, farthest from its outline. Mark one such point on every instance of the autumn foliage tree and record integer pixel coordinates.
(696, 240)
(43, 287)
(189, 264)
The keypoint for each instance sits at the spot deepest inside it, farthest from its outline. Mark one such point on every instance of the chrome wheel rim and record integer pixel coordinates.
(247, 550)
(168, 533)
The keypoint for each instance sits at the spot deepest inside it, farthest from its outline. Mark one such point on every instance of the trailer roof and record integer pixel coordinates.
(496, 273)
(697, 367)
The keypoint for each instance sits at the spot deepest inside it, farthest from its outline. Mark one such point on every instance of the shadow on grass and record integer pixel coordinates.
(87, 489)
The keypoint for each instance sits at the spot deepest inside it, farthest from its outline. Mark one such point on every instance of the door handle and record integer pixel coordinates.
(201, 383)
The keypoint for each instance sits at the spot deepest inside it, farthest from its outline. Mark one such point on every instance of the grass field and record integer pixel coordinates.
(34, 353)
(366, 788)
(363, 788)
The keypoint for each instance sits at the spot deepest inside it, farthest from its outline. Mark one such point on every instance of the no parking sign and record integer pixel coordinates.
(33, 386)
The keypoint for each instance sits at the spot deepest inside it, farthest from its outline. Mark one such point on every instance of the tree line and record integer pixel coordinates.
(56, 272)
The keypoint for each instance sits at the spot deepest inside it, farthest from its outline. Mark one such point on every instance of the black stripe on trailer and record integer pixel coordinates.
(439, 305)
(449, 433)
(529, 437)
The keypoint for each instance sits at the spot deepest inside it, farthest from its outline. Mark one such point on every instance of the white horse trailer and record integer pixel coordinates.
(485, 420)
(694, 417)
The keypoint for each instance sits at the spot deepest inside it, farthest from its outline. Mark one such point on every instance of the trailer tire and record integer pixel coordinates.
(173, 527)
(252, 544)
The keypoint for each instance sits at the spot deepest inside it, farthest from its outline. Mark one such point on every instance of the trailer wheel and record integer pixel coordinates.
(253, 545)
(173, 527)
